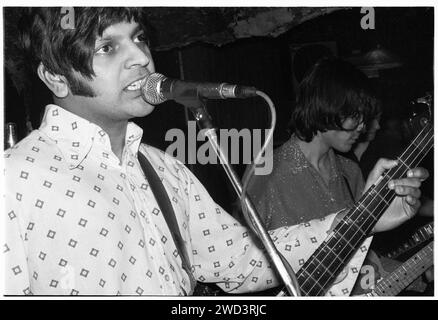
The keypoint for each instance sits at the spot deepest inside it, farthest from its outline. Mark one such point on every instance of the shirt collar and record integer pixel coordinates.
(76, 136)
(299, 162)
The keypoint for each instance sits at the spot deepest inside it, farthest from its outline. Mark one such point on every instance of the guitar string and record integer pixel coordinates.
(402, 275)
(412, 265)
(376, 195)
(421, 254)
(348, 229)
(383, 198)
(320, 262)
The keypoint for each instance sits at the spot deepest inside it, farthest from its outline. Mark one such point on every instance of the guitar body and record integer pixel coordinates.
(376, 268)
(380, 276)
(371, 272)
(393, 283)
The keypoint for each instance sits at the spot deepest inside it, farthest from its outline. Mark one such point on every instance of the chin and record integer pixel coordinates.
(143, 110)
(148, 110)
(346, 148)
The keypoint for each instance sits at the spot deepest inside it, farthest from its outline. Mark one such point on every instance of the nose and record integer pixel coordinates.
(138, 56)
(377, 126)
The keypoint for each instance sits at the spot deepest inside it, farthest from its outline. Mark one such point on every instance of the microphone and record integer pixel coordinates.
(157, 88)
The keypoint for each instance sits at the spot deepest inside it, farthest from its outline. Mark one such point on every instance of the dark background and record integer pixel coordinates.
(266, 63)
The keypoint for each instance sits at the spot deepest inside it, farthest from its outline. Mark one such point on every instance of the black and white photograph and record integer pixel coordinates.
(218, 152)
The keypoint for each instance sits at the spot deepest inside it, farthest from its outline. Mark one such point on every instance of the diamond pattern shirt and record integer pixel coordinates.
(79, 222)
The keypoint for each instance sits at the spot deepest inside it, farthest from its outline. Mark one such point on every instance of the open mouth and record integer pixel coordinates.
(136, 85)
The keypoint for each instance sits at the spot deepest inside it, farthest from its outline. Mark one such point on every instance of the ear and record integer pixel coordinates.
(56, 83)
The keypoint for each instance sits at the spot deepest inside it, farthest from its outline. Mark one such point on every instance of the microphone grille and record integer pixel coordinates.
(151, 92)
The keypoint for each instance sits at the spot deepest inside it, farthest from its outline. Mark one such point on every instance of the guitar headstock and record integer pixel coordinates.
(421, 114)
(421, 111)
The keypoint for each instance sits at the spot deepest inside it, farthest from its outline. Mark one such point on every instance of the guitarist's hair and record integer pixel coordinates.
(332, 91)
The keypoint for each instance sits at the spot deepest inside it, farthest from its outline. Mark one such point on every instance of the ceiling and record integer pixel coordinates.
(180, 26)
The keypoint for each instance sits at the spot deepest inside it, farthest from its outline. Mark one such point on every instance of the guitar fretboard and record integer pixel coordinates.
(404, 275)
(320, 270)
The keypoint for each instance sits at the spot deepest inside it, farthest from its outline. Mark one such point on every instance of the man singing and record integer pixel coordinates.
(81, 218)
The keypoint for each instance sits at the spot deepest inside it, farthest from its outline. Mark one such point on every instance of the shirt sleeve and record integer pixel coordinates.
(228, 254)
(15, 258)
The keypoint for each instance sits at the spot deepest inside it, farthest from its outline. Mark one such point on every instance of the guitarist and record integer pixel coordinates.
(399, 131)
(334, 104)
(118, 241)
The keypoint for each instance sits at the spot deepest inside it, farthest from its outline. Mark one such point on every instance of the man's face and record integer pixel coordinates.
(372, 129)
(343, 140)
(121, 60)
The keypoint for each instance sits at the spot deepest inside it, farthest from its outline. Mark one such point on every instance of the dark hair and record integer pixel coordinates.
(332, 91)
(61, 50)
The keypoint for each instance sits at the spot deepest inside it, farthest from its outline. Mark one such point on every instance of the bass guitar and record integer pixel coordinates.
(321, 269)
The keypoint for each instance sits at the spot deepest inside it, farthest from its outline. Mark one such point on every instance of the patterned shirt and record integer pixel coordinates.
(81, 222)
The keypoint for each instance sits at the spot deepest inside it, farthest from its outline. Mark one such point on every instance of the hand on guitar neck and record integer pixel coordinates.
(406, 203)
(391, 198)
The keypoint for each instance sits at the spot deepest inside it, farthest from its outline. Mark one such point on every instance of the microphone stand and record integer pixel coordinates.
(284, 269)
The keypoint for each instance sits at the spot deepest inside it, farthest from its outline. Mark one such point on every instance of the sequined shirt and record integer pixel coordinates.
(295, 191)
(79, 221)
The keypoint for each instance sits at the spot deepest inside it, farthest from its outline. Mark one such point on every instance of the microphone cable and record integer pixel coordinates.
(245, 183)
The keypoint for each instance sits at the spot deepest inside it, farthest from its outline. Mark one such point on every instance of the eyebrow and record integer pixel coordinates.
(135, 31)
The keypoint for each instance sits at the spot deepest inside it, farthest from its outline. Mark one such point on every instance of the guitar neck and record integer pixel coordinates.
(321, 269)
(420, 236)
(404, 275)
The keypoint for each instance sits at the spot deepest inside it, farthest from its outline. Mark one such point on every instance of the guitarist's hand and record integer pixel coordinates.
(406, 203)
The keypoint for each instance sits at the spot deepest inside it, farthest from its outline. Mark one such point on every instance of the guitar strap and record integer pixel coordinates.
(166, 208)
